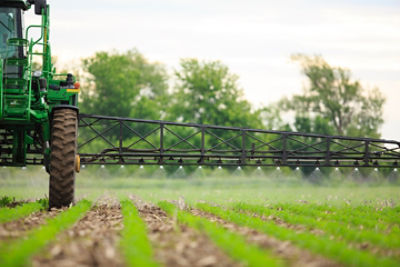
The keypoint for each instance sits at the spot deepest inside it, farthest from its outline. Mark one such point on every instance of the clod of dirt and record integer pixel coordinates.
(92, 241)
(178, 245)
(293, 255)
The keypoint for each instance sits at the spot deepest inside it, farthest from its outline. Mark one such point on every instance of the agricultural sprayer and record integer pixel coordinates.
(39, 121)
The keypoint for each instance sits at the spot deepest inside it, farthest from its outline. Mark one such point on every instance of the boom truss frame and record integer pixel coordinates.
(130, 141)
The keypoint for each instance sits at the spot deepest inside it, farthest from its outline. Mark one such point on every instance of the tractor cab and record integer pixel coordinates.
(15, 66)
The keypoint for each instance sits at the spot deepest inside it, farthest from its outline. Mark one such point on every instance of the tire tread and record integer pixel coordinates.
(62, 158)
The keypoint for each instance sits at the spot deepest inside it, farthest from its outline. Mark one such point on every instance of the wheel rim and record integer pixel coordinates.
(77, 163)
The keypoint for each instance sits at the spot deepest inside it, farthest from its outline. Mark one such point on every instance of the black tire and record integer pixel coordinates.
(62, 158)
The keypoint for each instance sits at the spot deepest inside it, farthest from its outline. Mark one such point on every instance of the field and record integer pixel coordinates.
(206, 220)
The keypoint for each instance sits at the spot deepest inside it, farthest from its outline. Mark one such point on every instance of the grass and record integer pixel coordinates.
(18, 252)
(335, 229)
(233, 244)
(134, 242)
(334, 249)
(10, 214)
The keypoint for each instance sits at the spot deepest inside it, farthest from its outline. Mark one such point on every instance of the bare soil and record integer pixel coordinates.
(92, 241)
(293, 255)
(178, 245)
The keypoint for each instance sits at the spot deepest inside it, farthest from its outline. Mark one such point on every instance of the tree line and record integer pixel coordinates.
(127, 84)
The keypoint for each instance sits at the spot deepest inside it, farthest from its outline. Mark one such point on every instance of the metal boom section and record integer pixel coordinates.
(115, 140)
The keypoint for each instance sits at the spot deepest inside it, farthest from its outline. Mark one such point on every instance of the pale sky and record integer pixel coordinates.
(254, 38)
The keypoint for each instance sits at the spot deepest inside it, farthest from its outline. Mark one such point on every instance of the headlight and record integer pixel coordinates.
(37, 73)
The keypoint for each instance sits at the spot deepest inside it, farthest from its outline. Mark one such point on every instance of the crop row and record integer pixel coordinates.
(10, 214)
(338, 250)
(233, 244)
(333, 242)
(134, 242)
(388, 214)
(359, 217)
(330, 228)
(18, 252)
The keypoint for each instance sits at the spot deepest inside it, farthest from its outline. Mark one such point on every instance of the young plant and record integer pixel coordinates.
(134, 242)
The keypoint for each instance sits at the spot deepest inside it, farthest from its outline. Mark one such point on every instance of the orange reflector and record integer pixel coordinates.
(77, 85)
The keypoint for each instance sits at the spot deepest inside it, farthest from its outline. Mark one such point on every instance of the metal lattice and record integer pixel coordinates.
(114, 140)
(34, 149)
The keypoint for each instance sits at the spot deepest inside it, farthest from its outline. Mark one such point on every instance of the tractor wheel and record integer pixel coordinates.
(63, 157)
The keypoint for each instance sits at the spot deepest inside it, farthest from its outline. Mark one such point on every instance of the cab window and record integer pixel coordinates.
(8, 29)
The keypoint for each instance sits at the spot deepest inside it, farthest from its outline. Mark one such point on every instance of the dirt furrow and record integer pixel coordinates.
(19, 228)
(92, 241)
(178, 245)
(293, 255)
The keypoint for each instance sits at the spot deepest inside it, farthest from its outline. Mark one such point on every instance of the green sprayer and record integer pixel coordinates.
(38, 108)
(39, 121)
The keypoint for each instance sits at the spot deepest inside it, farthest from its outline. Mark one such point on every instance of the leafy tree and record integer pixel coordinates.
(208, 93)
(124, 84)
(333, 103)
(318, 124)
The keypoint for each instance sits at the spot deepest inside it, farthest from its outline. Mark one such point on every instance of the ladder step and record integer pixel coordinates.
(17, 42)
(18, 96)
(16, 61)
(15, 83)
(13, 91)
